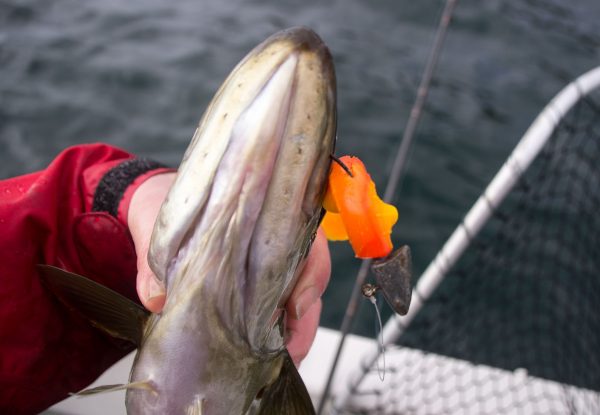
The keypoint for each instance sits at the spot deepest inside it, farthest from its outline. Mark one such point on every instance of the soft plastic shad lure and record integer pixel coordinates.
(355, 212)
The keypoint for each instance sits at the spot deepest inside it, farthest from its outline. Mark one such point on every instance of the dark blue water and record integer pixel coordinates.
(139, 74)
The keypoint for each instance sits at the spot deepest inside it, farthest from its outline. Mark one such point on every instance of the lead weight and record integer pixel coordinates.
(393, 275)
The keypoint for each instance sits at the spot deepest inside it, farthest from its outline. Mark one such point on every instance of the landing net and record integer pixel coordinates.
(506, 319)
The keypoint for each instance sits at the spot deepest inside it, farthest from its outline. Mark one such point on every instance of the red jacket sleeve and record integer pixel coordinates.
(72, 215)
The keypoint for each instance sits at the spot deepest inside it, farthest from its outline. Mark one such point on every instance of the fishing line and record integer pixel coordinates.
(395, 173)
(369, 291)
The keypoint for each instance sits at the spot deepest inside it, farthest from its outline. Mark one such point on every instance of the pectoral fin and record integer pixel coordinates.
(106, 309)
(145, 385)
(288, 394)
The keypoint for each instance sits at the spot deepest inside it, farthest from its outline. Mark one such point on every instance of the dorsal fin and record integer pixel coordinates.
(106, 309)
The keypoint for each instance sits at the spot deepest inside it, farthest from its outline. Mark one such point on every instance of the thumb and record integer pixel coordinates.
(143, 210)
(150, 290)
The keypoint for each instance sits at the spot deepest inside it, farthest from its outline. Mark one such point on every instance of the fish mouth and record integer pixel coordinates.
(241, 213)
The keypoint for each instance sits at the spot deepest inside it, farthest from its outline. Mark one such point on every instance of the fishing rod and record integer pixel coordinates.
(395, 176)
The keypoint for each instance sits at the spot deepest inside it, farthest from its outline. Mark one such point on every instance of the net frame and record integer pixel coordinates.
(517, 163)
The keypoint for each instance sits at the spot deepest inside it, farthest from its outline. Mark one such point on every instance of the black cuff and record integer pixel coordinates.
(112, 187)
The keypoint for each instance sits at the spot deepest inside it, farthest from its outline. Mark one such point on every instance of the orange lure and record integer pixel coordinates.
(356, 213)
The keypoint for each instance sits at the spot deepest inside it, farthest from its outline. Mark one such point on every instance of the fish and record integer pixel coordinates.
(229, 243)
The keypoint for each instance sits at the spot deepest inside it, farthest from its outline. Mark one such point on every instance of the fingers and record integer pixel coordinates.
(143, 210)
(302, 333)
(313, 280)
(304, 305)
(151, 292)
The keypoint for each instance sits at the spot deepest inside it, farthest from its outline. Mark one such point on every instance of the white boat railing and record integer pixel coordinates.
(524, 153)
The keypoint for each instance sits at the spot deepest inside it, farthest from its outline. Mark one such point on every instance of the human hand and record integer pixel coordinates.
(303, 306)
(143, 210)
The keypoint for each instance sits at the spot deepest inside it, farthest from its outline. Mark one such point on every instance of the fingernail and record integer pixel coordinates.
(154, 289)
(156, 296)
(156, 304)
(305, 300)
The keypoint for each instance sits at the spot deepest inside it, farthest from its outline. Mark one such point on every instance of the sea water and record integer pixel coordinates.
(139, 74)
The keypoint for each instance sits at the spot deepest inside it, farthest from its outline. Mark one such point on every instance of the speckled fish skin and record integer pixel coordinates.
(234, 230)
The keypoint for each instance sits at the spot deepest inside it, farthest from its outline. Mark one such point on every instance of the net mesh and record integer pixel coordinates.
(515, 325)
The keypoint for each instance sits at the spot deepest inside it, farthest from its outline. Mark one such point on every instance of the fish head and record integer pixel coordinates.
(233, 233)
(248, 194)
